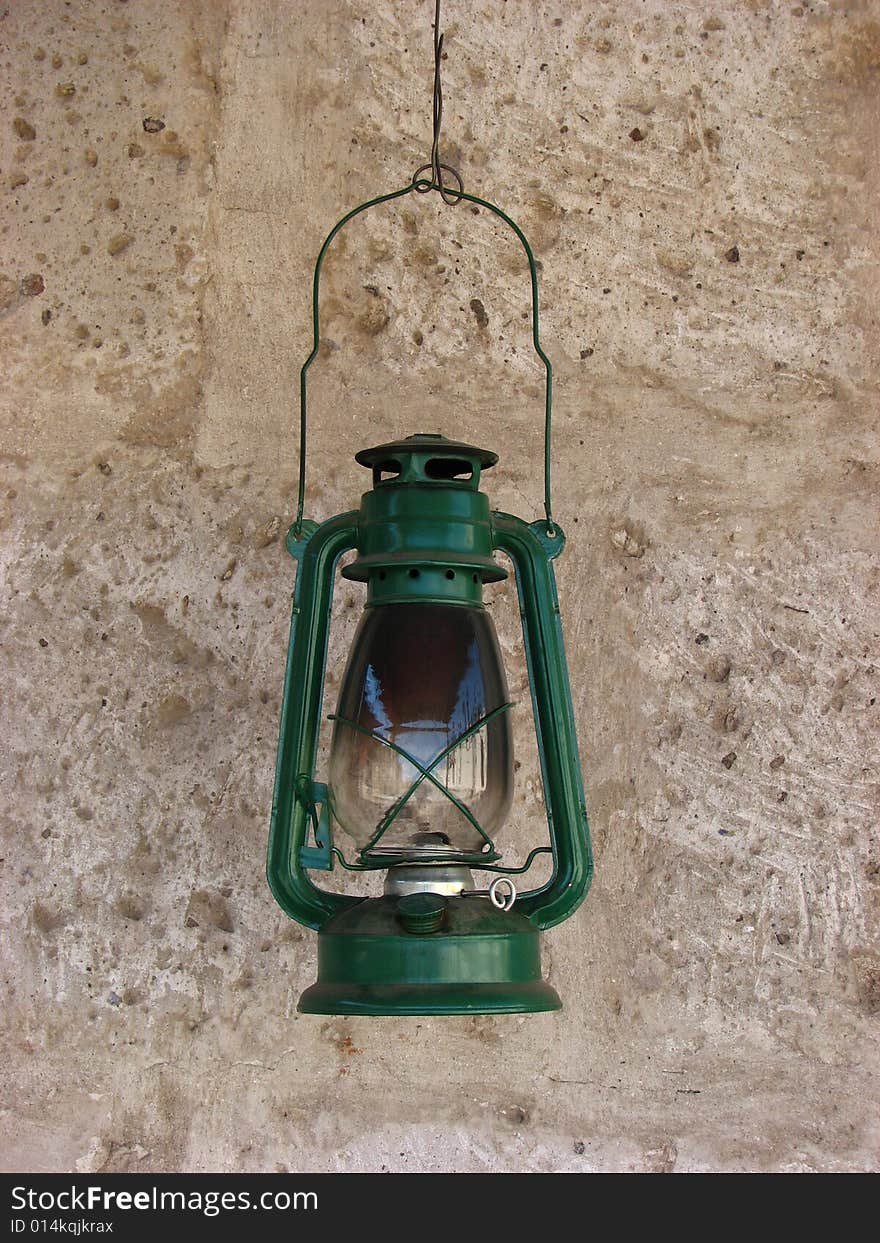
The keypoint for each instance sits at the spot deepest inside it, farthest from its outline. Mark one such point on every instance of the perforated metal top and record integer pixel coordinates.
(426, 442)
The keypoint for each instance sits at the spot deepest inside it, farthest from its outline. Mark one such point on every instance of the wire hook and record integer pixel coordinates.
(436, 166)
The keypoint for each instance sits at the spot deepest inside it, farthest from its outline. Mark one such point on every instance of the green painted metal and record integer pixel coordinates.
(532, 551)
(422, 912)
(431, 581)
(317, 549)
(408, 459)
(480, 961)
(423, 533)
(320, 856)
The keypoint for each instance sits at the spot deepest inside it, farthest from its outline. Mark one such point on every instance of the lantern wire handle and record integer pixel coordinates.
(422, 186)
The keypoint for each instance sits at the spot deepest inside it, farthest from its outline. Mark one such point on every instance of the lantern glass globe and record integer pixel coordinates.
(419, 676)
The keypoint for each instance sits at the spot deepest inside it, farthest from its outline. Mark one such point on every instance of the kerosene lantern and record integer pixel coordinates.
(421, 770)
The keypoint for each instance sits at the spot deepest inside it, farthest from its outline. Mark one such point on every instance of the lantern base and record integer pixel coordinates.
(480, 961)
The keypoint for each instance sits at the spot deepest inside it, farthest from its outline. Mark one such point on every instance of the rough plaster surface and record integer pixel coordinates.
(700, 182)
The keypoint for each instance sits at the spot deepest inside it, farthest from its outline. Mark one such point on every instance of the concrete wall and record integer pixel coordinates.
(700, 183)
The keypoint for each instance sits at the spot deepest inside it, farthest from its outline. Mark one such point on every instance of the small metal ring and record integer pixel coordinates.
(504, 902)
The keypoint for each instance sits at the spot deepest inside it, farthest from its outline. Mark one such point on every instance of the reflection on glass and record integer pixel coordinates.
(420, 675)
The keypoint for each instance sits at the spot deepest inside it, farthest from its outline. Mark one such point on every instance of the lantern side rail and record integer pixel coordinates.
(317, 549)
(422, 186)
(532, 549)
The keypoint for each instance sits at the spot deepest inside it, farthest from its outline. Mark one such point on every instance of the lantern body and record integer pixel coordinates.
(421, 675)
(421, 757)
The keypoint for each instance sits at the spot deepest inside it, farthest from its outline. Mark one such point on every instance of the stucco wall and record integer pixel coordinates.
(700, 184)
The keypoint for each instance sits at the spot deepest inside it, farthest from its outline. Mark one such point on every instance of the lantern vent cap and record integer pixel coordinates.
(427, 457)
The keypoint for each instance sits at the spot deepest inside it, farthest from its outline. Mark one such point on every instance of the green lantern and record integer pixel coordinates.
(421, 759)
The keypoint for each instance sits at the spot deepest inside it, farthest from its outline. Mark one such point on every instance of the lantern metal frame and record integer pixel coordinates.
(301, 805)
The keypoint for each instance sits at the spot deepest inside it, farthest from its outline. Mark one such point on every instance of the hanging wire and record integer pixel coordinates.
(436, 167)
